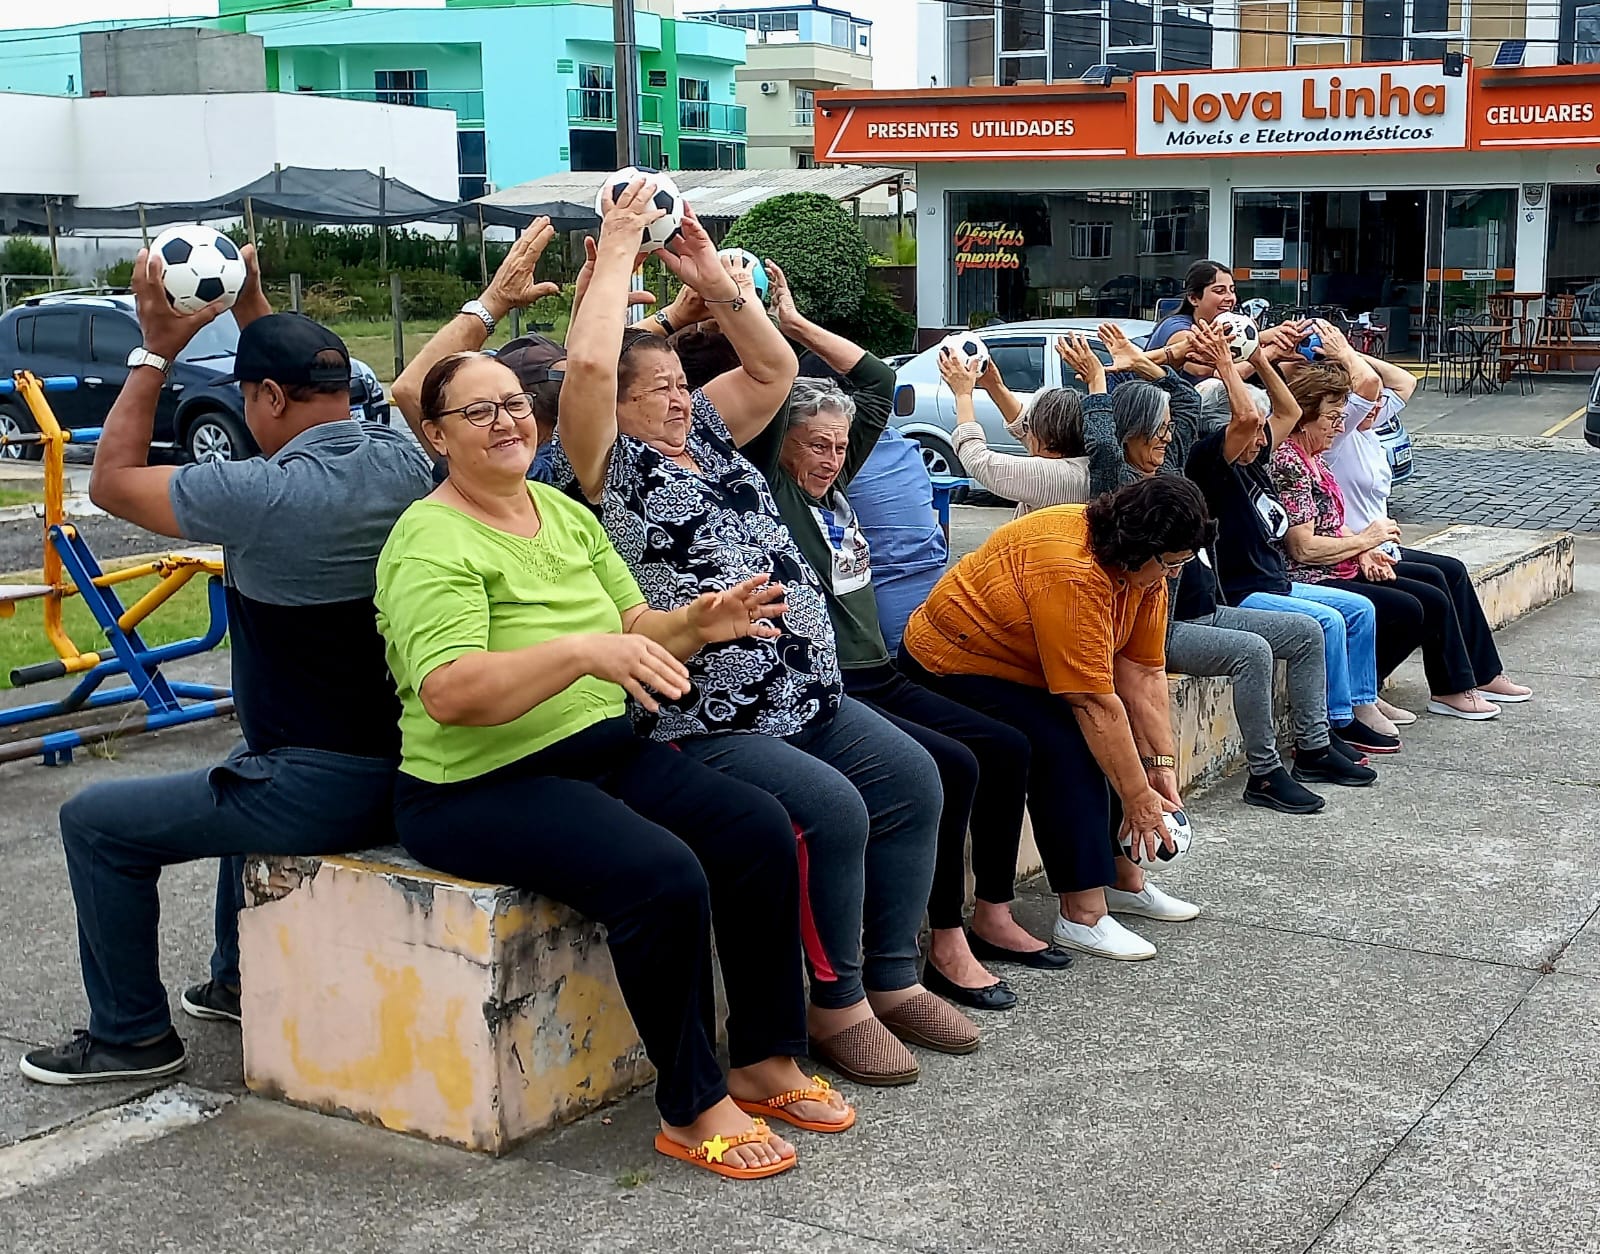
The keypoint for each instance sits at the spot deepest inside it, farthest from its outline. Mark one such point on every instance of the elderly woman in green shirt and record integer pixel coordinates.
(515, 634)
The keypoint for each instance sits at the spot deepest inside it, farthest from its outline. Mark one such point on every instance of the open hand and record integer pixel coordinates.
(1334, 346)
(742, 610)
(1125, 354)
(1143, 824)
(513, 285)
(626, 216)
(692, 258)
(1209, 346)
(638, 664)
(962, 376)
(167, 332)
(1074, 350)
(1376, 566)
(780, 296)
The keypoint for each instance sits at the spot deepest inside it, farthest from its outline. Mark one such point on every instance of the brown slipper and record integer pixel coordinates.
(866, 1053)
(934, 1024)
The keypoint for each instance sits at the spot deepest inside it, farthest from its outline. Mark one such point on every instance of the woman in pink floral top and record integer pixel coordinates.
(1412, 610)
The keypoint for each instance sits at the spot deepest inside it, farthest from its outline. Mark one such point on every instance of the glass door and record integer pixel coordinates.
(1472, 250)
(1269, 250)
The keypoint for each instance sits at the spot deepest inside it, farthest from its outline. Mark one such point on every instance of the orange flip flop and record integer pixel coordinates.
(708, 1154)
(775, 1107)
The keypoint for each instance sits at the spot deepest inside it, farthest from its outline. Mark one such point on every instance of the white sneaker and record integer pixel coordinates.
(1106, 939)
(1481, 709)
(1151, 903)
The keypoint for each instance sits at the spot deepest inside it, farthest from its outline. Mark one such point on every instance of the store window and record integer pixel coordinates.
(1580, 32)
(1089, 254)
(1573, 265)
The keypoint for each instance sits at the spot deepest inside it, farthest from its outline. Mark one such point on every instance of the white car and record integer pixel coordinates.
(1023, 352)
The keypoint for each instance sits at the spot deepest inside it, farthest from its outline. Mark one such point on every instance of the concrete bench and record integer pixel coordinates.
(477, 1015)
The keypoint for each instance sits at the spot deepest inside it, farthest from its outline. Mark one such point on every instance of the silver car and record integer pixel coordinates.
(1023, 352)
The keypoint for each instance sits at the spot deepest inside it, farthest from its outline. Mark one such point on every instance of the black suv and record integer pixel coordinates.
(90, 338)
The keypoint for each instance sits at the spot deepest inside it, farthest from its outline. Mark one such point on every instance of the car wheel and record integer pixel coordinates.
(940, 461)
(218, 437)
(13, 423)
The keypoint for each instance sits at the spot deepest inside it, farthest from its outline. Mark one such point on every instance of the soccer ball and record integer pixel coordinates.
(667, 196)
(202, 265)
(1179, 833)
(968, 347)
(758, 272)
(1242, 335)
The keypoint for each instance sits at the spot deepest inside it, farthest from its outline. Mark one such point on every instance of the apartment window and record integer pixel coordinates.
(1164, 234)
(777, 21)
(694, 109)
(597, 97)
(804, 160)
(1580, 32)
(710, 154)
(1091, 239)
(1058, 41)
(744, 21)
(657, 78)
(1435, 25)
(805, 102)
(472, 164)
(400, 87)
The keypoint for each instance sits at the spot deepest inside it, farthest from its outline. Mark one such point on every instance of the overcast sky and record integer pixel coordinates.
(894, 44)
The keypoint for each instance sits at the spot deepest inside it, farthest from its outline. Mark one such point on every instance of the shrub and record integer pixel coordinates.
(21, 255)
(819, 246)
(880, 326)
(118, 275)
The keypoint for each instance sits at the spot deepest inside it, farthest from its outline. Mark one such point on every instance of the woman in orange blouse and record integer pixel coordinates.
(1057, 626)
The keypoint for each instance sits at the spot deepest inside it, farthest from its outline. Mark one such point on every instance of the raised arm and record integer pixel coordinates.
(1397, 379)
(512, 287)
(1005, 400)
(122, 482)
(1182, 399)
(1364, 380)
(1030, 481)
(587, 422)
(751, 396)
(580, 289)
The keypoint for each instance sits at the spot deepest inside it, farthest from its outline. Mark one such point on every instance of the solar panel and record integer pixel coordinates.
(1511, 52)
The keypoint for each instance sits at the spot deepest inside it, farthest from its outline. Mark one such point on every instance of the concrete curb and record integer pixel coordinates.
(1506, 443)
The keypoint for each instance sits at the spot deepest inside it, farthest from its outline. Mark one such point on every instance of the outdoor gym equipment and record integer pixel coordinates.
(71, 569)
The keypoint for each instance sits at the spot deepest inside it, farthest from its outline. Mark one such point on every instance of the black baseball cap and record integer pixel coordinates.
(285, 348)
(533, 359)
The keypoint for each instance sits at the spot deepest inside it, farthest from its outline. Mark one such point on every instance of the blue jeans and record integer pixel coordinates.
(1349, 641)
(118, 835)
(866, 800)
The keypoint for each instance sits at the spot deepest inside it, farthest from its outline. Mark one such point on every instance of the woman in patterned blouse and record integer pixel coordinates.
(690, 514)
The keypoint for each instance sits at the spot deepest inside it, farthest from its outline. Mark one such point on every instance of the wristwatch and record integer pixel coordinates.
(1163, 760)
(143, 357)
(477, 310)
(664, 323)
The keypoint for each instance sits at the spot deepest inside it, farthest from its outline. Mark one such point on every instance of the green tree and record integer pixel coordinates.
(820, 247)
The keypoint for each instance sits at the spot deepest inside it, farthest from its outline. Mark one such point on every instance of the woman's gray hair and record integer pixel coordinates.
(1054, 418)
(1140, 409)
(809, 397)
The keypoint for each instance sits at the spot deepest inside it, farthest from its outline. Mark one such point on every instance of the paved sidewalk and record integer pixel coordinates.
(1383, 1035)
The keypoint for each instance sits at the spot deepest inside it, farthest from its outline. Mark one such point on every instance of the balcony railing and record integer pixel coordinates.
(597, 106)
(467, 105)
(805, 117)
(704, 117)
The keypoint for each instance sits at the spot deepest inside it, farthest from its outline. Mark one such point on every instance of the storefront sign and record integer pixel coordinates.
(988, 246)
(1557, 105)
(1268, 248)
(1366, 109)
(971, 126)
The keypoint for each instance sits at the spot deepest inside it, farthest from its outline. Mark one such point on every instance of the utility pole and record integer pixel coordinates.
(626, 81)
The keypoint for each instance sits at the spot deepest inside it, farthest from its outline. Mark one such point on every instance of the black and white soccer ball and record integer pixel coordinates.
(202, 265)
(1243, 336)
(1179, 837)
(968, 347)
(667, 196)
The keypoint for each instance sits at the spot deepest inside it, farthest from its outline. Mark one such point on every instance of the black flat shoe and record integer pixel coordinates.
(1050, 958)
(994, 997)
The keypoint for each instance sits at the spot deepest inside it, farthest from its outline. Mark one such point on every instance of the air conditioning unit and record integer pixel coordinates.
(769, 89)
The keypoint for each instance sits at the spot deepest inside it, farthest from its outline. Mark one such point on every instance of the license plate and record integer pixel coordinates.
(1401, 465)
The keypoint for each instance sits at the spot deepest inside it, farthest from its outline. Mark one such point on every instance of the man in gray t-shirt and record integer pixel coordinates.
(300, 529)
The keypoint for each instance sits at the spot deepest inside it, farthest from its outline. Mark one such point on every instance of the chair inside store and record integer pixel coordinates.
(1553, 339)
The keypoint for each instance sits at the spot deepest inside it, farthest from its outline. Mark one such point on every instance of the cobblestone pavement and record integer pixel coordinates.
(1502, 488)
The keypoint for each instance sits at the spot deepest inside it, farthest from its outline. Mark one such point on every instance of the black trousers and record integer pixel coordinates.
(1431, 604)
(983, 765)
(657, 847)
(1069, 797)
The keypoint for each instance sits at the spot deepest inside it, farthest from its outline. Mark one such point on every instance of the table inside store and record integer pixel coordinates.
(1486, 340)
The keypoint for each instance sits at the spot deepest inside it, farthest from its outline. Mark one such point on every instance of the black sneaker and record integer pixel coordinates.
(1328, 766)
(84, 1060)
(1358, 735)
(1346, 752)
(211, 1001)
(1277, 791)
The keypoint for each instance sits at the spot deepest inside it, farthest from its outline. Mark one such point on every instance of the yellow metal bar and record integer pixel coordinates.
(156, 597)
(142, 571)
(54, 440)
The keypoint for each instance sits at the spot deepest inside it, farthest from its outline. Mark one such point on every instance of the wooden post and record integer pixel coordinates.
(294, 292)
(900, 205)
(399, 326)
(483, 250)
(383, 227)
(250, 221)
(50, 227)
(144, 230)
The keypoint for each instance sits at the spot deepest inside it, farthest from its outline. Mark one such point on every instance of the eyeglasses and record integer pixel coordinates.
(483, 413)
(1164, 435)
(1172, 568)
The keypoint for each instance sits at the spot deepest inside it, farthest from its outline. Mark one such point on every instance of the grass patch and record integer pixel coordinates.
(372, 340)
(22, 638)
(21, 496)
(633, 1179)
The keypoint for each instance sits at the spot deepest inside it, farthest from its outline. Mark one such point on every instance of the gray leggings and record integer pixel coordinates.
(865, 799)
(1243, 644)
